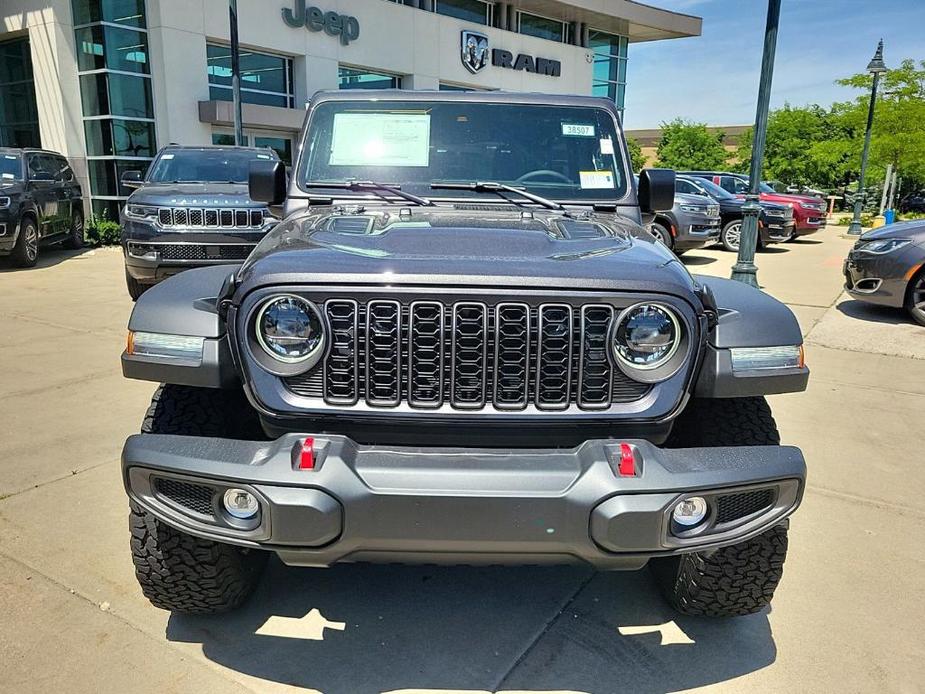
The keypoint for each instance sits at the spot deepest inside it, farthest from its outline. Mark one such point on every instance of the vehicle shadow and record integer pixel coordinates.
(688, 259)
(776, 248)
(873, 313)
(49, 256)
(804, 241)
(357, 629)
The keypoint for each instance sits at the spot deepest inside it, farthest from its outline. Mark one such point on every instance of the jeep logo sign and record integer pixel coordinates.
(314, 19)
(474, 55)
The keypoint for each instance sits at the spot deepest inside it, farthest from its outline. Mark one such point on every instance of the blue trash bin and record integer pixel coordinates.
(889, 216)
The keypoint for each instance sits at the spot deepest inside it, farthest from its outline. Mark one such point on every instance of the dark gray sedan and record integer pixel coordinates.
(887, 267)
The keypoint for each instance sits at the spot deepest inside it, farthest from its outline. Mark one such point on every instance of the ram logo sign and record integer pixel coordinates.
(475, 55)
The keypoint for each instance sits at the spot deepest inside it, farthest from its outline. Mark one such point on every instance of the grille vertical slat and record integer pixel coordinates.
(383, 353)
(594, 377)
(341, 374)
(426, 338)
(554, 356)
(512, 356)
(469, 355)
(210, 218)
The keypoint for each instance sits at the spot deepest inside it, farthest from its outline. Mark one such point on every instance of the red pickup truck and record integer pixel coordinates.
(808, 211)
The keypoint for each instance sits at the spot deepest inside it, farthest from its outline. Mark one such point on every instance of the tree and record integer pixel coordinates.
(637, 158)
(687, 145)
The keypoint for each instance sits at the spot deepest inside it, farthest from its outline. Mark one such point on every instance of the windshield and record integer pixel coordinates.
(561, 152)
(714, 190)
(205, 165)
(10, 167)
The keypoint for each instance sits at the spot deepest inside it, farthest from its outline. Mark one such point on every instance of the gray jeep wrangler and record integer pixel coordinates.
(460, 345)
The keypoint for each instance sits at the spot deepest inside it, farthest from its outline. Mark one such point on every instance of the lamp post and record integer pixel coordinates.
(235, 73)
(876, 67)
(745, 269)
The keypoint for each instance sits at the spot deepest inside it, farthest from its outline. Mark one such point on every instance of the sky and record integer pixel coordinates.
(713, 78)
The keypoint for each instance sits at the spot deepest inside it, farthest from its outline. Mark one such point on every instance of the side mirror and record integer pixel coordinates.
(131, 179)
(266, 182)
(656, 190)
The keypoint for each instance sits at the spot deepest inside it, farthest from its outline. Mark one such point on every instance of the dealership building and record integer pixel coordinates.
(107, 82)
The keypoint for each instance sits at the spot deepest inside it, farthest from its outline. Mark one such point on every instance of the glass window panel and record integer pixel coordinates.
(541, 27)
(261, 71)
(352, 78)
(444, 87)
(106, 209)
(223, 139)
(129, 12)
(604, 69)
(621, 70)
(249, 97)
(15, 61)
(607, 89)
(281, 145)
(101, 47)
(624, 42)
(620, 95)
(603, 43)
(19, 126)
(470, 10)
(105, 175)
(117, 95)
(125, 138)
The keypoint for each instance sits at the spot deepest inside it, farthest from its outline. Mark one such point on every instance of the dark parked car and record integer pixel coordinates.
(692, 222)
(41, 203)
(775, 223)
(461, 346)
(809, 212)
(190, 209)
(913, 202)
(887, 267)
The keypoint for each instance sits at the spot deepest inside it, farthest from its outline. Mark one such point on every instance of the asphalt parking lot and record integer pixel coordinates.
(846, 618)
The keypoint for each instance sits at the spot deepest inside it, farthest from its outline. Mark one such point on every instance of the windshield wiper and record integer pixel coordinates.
(374, 187)
(500, 189)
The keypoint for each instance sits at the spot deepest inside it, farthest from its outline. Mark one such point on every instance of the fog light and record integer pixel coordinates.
(240, 504)
(690, 511)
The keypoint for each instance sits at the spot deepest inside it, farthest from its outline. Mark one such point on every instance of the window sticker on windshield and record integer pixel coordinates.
(166, 156)
(577, 130)
(380, 139)
(606, 145)
(10, 156)
(263, 156)
(596, 179)
(6, 175)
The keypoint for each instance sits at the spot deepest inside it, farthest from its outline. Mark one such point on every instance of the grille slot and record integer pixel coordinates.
(469, 355)
(193, 497)
(732, 507)
(200, 251)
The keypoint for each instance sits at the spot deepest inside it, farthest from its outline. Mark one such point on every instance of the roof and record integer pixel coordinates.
(497, 96)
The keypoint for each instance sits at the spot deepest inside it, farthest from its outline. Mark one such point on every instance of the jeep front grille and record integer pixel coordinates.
(469, 356)
(210, 218)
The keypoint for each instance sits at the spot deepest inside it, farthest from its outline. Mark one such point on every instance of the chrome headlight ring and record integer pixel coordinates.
(269, 355)
(666, 365)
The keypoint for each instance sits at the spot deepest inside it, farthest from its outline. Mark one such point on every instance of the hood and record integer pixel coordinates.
(691, 199)
(10, 187)
(193, 194)
(481, 245)
(787, 197)
(914, 229)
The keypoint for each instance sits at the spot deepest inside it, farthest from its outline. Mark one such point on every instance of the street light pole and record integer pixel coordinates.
(745, 269)
(235, 73)
(876, 67)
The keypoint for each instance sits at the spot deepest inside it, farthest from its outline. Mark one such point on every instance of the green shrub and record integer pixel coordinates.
(867, 220)
(102, 231)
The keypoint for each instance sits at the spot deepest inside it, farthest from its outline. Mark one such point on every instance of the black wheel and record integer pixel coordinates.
(661, 234)
(178, 571)
(183, 573)
(75, 237)
(26, 251)
(915, 298)
(135, 288)
(731, 234)
(731, 581)
(739, 579)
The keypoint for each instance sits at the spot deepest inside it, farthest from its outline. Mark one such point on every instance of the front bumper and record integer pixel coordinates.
(809, 223)
(462, 505)
(697, 232)
(878, 279)
(775, 230)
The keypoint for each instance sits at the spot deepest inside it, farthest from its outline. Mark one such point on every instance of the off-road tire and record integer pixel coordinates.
(725, 422)
(728, 582)
(739, 579)
(75, 237)
(177, 571)
(24, 254)
(135, 288)
(187, 574)
(189, 411)
(661, 234)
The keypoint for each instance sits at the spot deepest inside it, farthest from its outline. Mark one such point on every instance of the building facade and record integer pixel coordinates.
(107, 82)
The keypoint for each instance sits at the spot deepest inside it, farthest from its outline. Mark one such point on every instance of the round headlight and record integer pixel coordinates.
(289, 329)
(646, 337)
